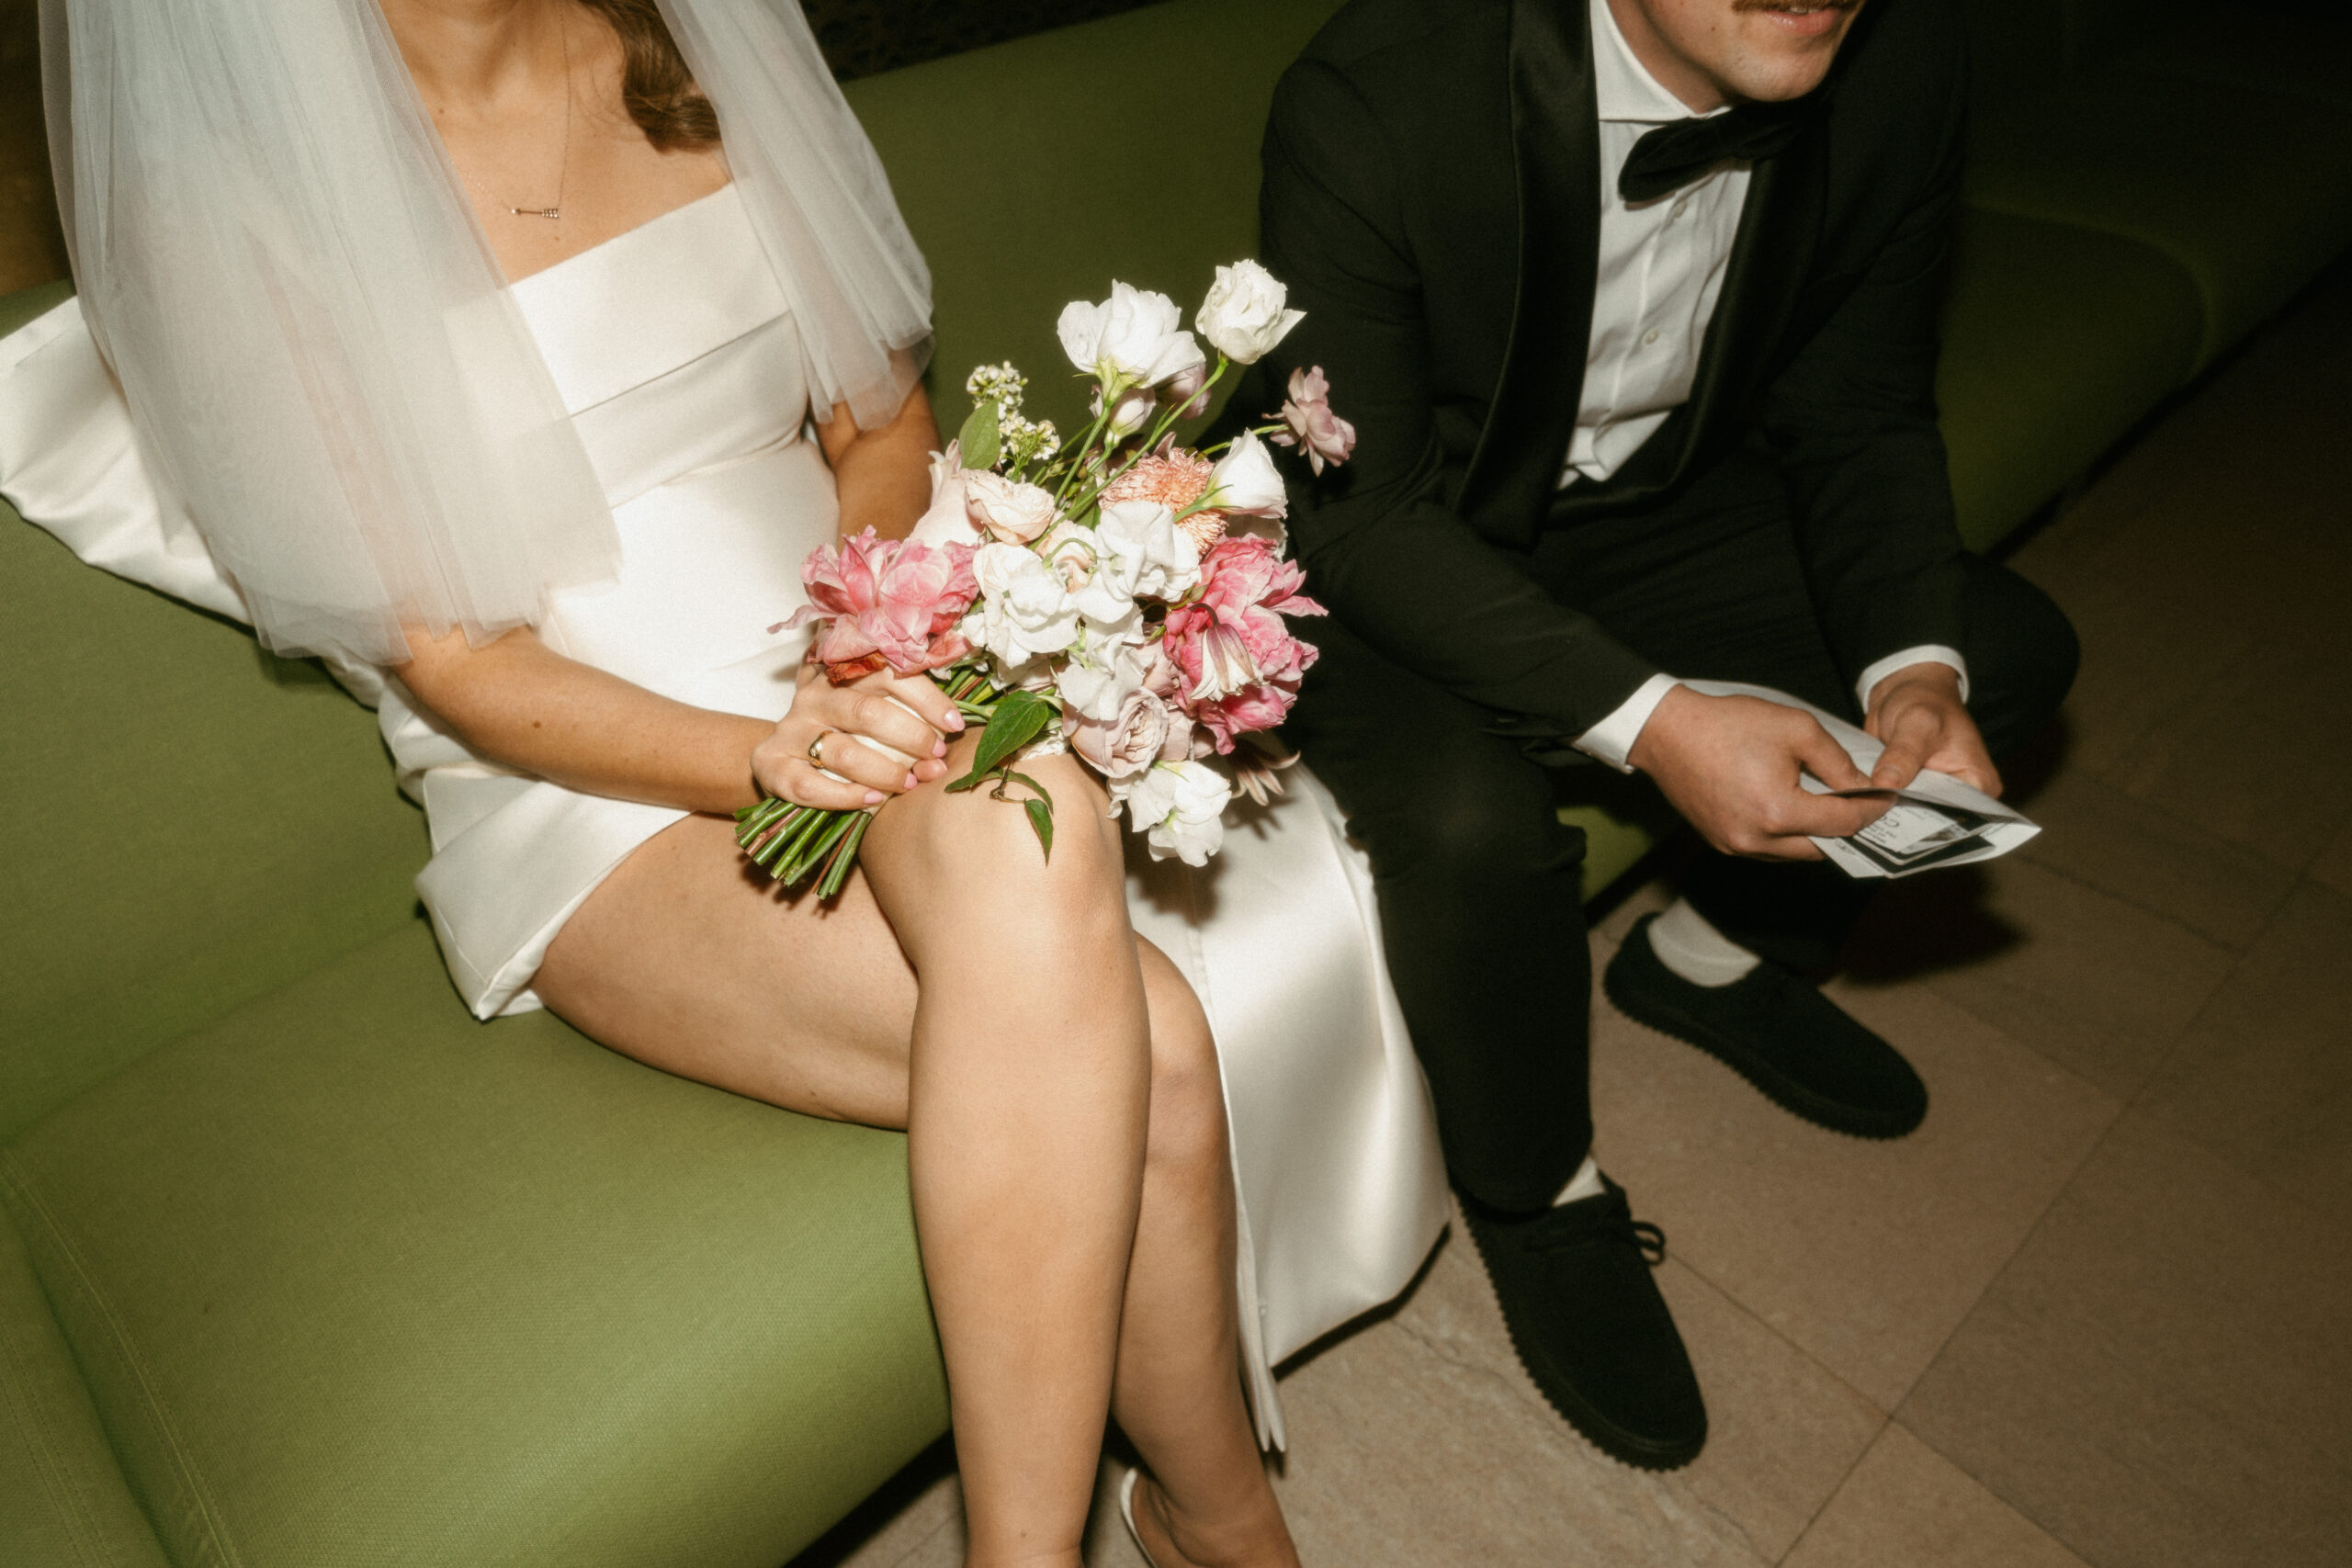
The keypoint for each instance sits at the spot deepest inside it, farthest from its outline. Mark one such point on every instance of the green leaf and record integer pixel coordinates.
(978, 437)
(1018, 718)
(1041, 817)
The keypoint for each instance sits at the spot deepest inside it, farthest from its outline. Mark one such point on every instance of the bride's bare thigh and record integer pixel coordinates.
(684, 962)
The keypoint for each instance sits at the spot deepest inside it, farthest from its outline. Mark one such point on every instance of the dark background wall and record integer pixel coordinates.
(864, 37)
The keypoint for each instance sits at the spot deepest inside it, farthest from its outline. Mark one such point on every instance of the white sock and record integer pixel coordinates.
(1686, 944)
(1585, 1183)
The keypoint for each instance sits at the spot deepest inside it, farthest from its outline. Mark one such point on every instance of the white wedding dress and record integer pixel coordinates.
(675, 354)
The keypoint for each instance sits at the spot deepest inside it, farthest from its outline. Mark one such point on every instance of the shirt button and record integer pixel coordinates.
(1650, 336)
(1680, 207)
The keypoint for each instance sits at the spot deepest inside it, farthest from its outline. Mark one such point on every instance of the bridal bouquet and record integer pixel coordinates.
(1121, 598)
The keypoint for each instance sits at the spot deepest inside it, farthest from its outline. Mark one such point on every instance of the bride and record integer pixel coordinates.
(512, 354)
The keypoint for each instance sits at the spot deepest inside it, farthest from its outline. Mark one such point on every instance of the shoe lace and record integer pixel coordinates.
(1640, 1235)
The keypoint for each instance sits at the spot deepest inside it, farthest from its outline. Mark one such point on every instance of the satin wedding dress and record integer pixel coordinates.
(676, 356)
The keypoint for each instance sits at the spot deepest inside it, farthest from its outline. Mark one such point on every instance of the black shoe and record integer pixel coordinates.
(1590, 1327)
(1780, 1033)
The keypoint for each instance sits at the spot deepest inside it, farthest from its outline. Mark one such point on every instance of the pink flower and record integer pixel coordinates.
(1237, 664)
(1012, 513)
(1329, 439)
(886, 603)
(1175, 479)
(948, 522)
(1190, 391)
(1127, 742)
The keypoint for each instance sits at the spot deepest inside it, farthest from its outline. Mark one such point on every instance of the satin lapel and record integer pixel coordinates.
(1555, 144)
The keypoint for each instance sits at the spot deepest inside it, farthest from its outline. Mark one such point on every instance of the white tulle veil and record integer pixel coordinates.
(315, 339)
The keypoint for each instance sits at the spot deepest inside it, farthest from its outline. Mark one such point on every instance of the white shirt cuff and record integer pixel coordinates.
(1612, 740)
(1926, 653)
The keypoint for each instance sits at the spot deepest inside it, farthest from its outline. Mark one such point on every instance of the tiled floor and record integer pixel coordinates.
(2096, 1311)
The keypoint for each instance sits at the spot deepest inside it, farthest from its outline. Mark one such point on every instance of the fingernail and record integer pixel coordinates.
(873, 797)
(939, 747)
(955, 724)
(912, 781)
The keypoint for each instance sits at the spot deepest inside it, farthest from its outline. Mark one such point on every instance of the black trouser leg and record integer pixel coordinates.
(1481, 910)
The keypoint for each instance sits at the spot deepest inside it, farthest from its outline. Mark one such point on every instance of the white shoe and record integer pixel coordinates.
(1127, 1513)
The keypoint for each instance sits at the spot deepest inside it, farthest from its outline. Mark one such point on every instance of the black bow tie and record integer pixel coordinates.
(1671, 156)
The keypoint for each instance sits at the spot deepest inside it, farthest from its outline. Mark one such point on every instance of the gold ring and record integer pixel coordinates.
(817, 747)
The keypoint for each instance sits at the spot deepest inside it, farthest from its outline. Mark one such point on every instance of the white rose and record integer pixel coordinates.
(1151, 557)
(1245, 482)
(1126, 741)
(1133, 410)
(946, 521)
(1011, 512)
(1243, 315)
(1134, 338)
(1179, 808)
(1023, 610)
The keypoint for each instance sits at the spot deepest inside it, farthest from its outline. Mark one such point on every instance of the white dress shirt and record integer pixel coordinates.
(1659, 272)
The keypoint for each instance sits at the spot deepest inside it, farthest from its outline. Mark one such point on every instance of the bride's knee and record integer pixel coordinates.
(974, 841)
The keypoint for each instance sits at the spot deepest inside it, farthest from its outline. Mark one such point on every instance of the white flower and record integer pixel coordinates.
(1135, 338)
(1179, 806)
(1245, 482)
(1140, 547)
(1023, 609)
(1243, 315)
(946, 523)
(1097, 680)
(1012, 513)
(1132, 413)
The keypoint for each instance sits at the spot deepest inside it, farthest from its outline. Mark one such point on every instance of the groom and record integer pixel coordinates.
(1632, 304)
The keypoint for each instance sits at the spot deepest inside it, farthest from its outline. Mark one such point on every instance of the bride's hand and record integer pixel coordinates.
(884, 734)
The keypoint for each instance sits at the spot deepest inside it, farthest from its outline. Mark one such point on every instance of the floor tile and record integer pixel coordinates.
(2161, 1378)
(2333, 867)
(1783, 1431)
(1405, 1453)
(2098, 985)
(1863, 1253)
(1907, 1505)
(2263, 1077)
(2101, 836)
(2263, 757)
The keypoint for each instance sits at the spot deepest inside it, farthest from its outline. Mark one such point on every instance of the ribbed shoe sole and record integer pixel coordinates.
(1769, 1081)
(1626, 1448)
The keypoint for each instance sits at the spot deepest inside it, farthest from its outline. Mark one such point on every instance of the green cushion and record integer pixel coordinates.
(2188, 168)
(2056, 340)
(63, 1500)
(355, 1279)
(190, 822)
(1034, 172)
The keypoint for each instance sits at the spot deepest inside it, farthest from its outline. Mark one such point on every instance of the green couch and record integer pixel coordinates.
(300, 1265)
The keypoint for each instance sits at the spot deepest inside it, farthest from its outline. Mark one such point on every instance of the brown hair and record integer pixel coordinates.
(655, 84)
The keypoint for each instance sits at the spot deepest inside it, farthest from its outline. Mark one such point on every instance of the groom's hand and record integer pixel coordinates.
(1731, 764)
(1917, 712)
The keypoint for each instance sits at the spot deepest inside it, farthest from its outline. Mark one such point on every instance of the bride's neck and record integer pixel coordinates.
(476, 52)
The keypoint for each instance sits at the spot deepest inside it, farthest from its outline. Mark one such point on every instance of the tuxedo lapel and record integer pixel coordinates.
(1556, 147)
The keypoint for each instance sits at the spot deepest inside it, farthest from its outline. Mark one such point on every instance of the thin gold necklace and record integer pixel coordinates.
(564, 168)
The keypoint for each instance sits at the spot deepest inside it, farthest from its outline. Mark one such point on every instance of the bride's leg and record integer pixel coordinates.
(1178, 1393)
(1028, 1090)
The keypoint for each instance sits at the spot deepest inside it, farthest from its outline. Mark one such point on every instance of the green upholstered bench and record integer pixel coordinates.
(301, 1265)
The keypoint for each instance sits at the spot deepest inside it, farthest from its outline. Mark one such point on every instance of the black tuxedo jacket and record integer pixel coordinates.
(1432, 196)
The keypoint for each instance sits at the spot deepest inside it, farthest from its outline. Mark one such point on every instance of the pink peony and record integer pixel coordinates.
(886, 603)
(1236, 665)
(1329, 439)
